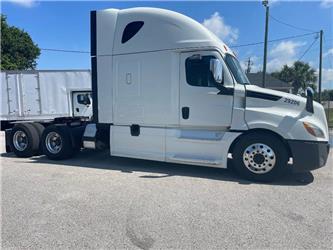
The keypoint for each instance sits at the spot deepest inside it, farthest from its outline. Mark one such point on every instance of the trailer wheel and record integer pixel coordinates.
(57, 142)
(24, 140)
(40, 128)
(260, 157)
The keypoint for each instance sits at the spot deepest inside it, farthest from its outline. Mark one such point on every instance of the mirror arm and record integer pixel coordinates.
(309, 100)
(309, 105)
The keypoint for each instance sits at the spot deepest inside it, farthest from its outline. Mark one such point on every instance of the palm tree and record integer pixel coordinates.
(300, 75)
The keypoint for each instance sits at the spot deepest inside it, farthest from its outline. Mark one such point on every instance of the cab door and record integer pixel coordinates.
(82, 104)
(202, 104)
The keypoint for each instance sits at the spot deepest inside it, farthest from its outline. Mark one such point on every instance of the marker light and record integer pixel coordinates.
(313, 130)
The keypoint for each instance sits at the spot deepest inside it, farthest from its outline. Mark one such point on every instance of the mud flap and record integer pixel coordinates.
(8, 133)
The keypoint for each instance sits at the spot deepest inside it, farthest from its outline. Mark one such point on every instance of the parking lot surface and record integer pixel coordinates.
(98, 201)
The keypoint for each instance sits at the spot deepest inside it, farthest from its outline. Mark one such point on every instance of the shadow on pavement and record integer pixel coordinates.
(102, 160)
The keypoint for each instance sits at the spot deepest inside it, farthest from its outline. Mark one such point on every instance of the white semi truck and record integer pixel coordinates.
(165, 88)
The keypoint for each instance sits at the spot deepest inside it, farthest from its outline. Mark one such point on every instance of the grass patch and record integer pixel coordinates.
(329, 116)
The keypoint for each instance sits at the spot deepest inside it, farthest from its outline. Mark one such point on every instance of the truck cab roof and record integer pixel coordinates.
(138, 30)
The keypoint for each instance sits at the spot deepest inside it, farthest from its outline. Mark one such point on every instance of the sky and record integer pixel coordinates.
(65, 25)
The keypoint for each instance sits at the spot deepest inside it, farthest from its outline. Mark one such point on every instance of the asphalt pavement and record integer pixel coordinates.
(98, 201)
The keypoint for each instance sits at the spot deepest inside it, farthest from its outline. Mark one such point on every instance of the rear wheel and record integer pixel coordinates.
(24, 140)
(40, 129)
(260, 157)
(57, 142)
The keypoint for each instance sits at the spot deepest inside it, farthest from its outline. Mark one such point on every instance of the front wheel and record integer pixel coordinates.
(260, 157)
(57, 142)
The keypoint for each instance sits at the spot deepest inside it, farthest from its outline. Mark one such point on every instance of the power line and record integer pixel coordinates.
(235, 46)
(306, 51)
(315, 50)
(301, 45)
(274, 40)
(290, 25)
(67, 51)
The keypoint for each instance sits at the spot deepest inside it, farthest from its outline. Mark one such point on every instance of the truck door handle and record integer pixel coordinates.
(185, 112)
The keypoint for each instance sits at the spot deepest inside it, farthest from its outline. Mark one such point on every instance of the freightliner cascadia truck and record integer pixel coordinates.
(165, 88)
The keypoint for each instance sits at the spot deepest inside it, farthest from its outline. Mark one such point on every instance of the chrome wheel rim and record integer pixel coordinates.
(53, 142)
(259, 158)
(20, 140)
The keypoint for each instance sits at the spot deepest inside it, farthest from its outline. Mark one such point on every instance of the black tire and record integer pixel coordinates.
(66, 150)
(258, 160)
(40, 129)
(31, 139)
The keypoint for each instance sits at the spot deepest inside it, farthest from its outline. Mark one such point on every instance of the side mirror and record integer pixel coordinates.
(87, 100)
(217, 70)
(309, 99)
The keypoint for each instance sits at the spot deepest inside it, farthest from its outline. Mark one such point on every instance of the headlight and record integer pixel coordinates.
(313, 130)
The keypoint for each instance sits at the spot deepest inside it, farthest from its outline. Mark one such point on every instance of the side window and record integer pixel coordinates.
(83, 99)
(198, 71)
(130, 30)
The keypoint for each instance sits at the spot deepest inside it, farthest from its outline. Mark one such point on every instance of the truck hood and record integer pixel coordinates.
(281, 94)
(284, 112)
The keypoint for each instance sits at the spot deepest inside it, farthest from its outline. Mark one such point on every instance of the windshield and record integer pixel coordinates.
(236, 69)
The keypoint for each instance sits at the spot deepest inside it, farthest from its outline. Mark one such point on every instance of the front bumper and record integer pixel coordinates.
(308, 155)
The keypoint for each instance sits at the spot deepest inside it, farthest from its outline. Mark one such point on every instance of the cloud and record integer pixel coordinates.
(287, 52)
(217, 25)
(326, 4)
(283, 53)
(274, 2)
(23, 3)
(327, 78)
(285, 49)
(328, 53)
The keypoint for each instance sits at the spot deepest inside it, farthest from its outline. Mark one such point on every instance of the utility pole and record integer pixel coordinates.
(249, 64)
(265, 3)
(320, 64)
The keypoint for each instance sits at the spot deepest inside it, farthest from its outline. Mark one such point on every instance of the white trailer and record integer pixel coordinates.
(44, 94)
(165, 88)
(39, 98)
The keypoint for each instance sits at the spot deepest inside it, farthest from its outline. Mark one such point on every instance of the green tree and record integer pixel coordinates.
(327, 95)
(18, 51)
(300, 75)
